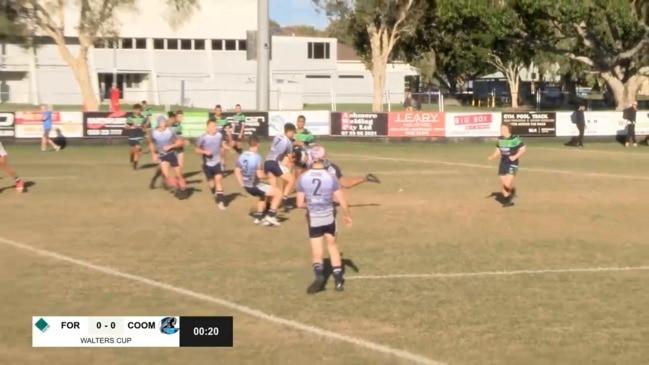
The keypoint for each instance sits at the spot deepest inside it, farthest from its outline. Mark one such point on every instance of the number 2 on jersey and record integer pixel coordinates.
(318, 184)
(244, 167)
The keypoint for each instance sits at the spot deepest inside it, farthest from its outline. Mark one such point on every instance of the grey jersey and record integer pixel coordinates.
(163, 139)
(250, 163)
(318, 186)
(212, 143)
(281, 147)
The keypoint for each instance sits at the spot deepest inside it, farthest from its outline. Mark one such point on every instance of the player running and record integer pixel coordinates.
(163, 145)
(209, 146)
(510, 148)
(4, 164)
(177, 127)
(46, 114)
(303, 140)
(249, 172)
(238, 129)
(317, 191)
(278, 162)
(134, 130)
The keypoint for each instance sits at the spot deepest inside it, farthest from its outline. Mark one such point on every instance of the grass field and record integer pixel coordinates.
(473, 288)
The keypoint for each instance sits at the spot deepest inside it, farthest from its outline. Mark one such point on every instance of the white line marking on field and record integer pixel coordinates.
(623, 152)
(404, 355)
(28, 178)
(532, 169)
(415, 172)
(498, 273)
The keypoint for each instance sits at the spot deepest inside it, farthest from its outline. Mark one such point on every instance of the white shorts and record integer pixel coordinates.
(3, 152)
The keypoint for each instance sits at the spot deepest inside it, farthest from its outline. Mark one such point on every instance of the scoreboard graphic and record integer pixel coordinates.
(161, 331)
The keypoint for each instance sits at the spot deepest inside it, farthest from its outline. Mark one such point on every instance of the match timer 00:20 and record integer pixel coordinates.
(207, 332)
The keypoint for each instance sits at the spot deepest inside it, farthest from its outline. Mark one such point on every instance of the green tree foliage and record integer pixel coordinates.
(376, 27)
(609, 37)
(11, 30)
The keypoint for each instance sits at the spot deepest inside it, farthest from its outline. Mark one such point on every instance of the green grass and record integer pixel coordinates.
(577, 209)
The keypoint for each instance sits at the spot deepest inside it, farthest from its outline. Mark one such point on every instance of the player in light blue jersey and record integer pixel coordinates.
(249, 171)
(209, 145)
(317, 192)
(279, 162)
(162, 143)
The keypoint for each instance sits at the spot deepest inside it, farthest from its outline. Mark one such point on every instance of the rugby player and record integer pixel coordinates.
(134, 130)
(278, 162)
(4, 164)
(47, 128)
(209, 146)
(317, 191)
(148, 114)
(238, 129)
(163, 145)
(510, 148)
(303, 140)
(347, 182)
(222, 125)
(177, 127)
(249, 172)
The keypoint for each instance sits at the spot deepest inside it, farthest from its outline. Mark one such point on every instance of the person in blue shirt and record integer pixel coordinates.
(46, 113)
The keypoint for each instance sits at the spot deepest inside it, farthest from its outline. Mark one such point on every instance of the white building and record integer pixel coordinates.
(199, 62)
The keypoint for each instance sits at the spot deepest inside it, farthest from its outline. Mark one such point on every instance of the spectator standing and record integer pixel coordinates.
(409, 103)
(46, 114)
(579, 120)
(629, 115)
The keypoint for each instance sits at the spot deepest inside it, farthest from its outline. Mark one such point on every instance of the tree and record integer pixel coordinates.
(97, 18)
(12, 31)
(376, 27)
(610, 38)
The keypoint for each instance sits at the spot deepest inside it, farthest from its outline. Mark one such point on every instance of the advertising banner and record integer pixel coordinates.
(66, 124)
(597, 124)
(472, 124)
(532, 124)
(193, 123)
(416, 124)
(7, 122)
(317, 122)
(642, 122)
(256, 122)
(104, 124)
(359, 124)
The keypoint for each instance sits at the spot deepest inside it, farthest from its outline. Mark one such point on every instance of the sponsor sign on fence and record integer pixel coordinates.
(642, 122)
(472, 125)
(66, 124)
(359, 124)
(104, 124)
(193, 124)
(7, 121)
(317, 122)
(532, 124)
(416, 124)
(597, 124)
(256, 122)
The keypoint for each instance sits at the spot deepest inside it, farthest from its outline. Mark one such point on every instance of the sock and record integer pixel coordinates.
(219, 196)
(272, 213)
(182, 183)
(507, 189)
(258, 215)
(267, 206)
(171, 182)
(317, 269)
(338, 274)
(213, 190)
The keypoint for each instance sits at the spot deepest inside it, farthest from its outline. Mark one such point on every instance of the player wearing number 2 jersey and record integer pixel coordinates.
(317, 191)
(278, 162)
(249, 171)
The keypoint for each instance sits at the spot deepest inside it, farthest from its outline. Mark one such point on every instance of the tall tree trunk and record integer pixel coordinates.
(513, 80)
(79, 66)
(378, 75)
(623, 93)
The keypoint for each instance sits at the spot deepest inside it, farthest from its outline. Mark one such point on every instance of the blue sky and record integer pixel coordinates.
(293, 12)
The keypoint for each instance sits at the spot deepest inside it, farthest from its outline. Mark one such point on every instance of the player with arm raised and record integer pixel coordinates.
(317, 191)
(249, 172)
(349, 182)
(278, 162)
(510, 148)
(209, 146)
(163, 145)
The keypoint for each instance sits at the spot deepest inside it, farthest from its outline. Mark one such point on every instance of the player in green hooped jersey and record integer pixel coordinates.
(302, 141)
(134, 130)
(223, 126)
(238, 129)
(148, 114)
(177, 127)
(510, 148)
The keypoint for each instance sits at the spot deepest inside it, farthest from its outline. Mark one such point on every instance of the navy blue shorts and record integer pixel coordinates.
(275, 168)
(169, 158)
(506, 168)
(259, 191)
(134, 142)
(211, 171)
(317, 232)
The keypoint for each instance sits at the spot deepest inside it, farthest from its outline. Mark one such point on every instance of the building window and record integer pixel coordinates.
(140, 43)
(127, 43)
(242, 44)
(351, 76)
(100, 43)
(230, 45)
(111, 43)
(199, 44)
(217, 44)
(186, 44)
(318, 76)
(158, 43)
(172, 44)
(318, 50)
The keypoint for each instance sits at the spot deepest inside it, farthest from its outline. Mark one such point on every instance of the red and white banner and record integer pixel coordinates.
(30, 124)
(416, 124)
(472, 125)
